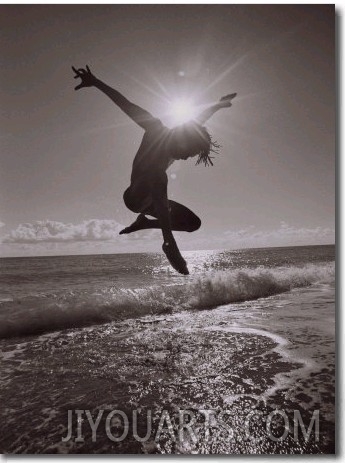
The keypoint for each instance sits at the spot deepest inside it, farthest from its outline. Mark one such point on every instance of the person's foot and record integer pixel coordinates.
(173, 254)
(138, 224)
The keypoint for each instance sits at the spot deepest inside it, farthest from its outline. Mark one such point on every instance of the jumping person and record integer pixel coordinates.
(160, 147)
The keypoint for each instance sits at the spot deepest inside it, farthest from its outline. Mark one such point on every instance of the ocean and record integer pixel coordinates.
(248, 336)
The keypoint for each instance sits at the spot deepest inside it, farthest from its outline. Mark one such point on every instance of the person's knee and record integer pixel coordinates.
(131, 201)
(137, 201)
(194, 225)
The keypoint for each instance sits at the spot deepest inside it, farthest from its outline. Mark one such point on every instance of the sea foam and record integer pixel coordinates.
(51, 312)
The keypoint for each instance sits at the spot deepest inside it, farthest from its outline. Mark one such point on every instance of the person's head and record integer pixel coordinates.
(189, 140)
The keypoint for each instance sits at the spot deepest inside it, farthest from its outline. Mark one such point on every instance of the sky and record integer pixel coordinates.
(66, 155)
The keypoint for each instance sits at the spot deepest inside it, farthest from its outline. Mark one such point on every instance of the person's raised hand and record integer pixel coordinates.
(225, 101)
(86, 76)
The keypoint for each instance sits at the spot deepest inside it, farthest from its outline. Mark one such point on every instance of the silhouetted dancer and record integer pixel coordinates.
(160, 147)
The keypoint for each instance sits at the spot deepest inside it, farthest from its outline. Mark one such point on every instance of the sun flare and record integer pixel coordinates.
(182, 110)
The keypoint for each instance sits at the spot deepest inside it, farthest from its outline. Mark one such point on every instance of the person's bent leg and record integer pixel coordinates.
(161, 210)
(169, 247)
(137, 200)
(140, 223)
(181, 218)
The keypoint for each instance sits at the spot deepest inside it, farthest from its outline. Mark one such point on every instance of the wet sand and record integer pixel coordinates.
(228, 360)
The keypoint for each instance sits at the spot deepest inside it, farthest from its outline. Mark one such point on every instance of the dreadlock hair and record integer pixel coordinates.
(211, 147)
(200, 142)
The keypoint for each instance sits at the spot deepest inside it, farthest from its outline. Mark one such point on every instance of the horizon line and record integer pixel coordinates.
(159, 252)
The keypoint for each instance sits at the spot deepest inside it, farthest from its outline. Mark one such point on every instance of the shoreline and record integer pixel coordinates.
(221, 359)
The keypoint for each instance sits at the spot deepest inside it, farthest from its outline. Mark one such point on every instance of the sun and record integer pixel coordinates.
(182, 110)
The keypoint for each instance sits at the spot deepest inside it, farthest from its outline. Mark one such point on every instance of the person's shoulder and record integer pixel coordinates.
(155, 125)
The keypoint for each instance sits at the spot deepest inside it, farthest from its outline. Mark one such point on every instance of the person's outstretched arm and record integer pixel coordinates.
(224, 102)
(139, 115)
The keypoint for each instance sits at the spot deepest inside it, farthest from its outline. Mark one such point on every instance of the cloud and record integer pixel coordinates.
(48, 231)
(54, 232)
(101, 236)
(252, 237)
(2, 224)
(284, 235)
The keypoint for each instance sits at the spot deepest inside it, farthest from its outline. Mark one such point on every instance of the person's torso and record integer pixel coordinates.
(152, 158)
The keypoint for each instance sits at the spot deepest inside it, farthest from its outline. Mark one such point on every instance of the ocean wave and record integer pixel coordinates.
(37, 315)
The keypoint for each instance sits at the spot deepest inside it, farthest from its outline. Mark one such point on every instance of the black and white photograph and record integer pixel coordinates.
(167, 229)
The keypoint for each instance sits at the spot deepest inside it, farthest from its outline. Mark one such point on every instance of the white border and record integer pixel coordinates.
(340, 283)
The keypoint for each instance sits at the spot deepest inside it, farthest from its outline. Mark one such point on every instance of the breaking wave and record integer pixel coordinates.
(51, 312)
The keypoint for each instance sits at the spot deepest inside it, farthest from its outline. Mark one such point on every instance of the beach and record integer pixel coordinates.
(237, 358)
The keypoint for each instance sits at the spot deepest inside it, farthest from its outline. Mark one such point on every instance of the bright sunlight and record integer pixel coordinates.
(182, 110)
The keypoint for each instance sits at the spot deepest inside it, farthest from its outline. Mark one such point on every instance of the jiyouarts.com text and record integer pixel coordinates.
(193, 425)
